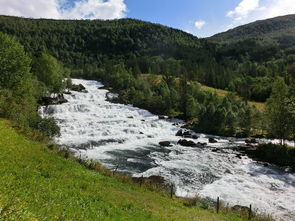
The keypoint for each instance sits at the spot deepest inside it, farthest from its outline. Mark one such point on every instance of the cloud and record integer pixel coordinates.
(32, 8)
(243, 9)
(200, 24)
(251, 10)
(96, 9)
(82, 9)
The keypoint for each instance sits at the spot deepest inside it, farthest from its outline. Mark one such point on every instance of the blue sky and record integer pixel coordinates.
(200, 17)
(183, 14)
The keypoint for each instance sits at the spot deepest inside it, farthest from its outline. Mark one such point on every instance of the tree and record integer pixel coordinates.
(49, 71)
(18, 89)
(276, 111)
(14, 63)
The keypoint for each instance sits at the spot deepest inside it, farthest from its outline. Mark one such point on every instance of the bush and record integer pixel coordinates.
(277, 154)
(48, 127)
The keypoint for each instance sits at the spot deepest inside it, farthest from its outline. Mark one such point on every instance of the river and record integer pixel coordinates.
(127, 137)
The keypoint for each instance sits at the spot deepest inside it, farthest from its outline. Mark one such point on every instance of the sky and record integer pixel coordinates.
(202, 18)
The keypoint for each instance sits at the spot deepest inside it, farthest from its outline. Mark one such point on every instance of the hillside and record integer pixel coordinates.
(81, 42)
(117, 52)
(279, 29)
(38, 184)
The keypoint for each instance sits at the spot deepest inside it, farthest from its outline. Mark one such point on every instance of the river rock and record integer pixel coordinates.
(112, 97)
(251, 141)
(187, 143)
(202, 144)
(78, 88)
(239, 208)
(45, 101)
(163, 117)
(165, 144)
(179, 133)
(212, 140)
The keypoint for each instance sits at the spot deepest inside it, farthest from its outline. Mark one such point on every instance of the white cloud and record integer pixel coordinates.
(243, 9)
(31, 8)
(91, 9)
(200, 24)
(252, 10)
(97, 9)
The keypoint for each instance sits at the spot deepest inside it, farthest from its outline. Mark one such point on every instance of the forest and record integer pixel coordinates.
(153, 67)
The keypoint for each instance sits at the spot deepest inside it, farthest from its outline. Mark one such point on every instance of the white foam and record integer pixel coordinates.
(123, 135)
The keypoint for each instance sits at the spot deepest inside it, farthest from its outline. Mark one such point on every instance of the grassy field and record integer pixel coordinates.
(38, 184)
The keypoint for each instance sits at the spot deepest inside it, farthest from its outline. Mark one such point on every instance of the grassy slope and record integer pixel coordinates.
(223, 93)
(38, 184)
(219, 92)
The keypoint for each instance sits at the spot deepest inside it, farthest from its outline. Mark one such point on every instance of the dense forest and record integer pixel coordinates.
(158, 68)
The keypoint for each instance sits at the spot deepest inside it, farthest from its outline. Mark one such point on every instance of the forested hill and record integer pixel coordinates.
(83, 42)
(280, 29)
(121, 53)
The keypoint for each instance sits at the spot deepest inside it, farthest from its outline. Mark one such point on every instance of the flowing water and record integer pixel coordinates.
(127, 137)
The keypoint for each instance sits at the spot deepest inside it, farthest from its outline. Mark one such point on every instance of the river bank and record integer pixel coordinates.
(127, 138)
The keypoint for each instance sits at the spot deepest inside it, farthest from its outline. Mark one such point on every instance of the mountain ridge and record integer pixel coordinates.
(275, 29)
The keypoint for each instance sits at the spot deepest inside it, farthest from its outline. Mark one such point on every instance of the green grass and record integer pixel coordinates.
(219, 92)
(222, 93)
(39, 184)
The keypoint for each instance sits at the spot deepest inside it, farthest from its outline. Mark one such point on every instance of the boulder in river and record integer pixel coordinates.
(251, 141)
(179, 133)
(78, 88)
(163, 117)
(45, 101)
(212, 140)
(239, 208)
(195, 137)
(68, 92)
(202, 144)
(112, 97)
(165, 144)
(187, 143)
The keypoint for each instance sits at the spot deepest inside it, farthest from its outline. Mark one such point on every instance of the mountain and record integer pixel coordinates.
(279, 29)
(97, 49)
(83, 42)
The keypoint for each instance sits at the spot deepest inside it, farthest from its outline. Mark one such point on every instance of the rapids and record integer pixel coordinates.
(127, 137)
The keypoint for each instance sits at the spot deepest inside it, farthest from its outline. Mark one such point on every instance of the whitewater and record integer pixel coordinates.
(125, 137)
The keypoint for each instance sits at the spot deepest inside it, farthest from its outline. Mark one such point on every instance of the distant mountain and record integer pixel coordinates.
(85, 41)
(280, 30)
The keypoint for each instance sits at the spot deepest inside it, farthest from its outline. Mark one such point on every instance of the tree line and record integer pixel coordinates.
(123, 53)
(23, 81)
